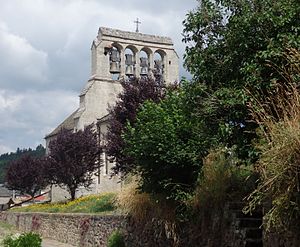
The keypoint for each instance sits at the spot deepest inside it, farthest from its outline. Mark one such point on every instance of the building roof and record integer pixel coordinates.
(4, 192)
(104, 31)
(68, 124)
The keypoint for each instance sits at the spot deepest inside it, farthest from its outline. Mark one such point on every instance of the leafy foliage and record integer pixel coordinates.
(26, 175)
(8, 157)
(24, 240)
(73, 159)
(116, 239)
(135, 92)
(232, 44)
(166, 146)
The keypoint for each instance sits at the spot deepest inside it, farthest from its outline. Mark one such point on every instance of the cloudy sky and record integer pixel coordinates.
(45, 56)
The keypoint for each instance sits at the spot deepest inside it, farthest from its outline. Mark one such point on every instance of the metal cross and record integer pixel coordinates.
(137, 24)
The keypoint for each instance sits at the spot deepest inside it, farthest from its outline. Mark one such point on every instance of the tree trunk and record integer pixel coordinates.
(72, 193)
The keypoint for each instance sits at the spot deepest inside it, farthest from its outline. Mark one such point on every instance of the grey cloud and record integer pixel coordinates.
(45, 55)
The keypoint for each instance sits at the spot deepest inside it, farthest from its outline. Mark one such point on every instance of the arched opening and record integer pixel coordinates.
(159, 66)
(115, 61)
(144, 62)
(130, 61)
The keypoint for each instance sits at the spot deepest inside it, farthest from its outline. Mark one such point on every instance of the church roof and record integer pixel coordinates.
(68, 124)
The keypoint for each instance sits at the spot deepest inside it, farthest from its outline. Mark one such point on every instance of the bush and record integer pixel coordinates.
(116, 239)
(24, 240)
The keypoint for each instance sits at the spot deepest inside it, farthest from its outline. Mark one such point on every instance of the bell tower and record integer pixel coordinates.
(117, 55)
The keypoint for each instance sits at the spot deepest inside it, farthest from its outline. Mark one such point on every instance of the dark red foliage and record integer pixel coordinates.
(26, 175)
(73, 159)
(135, 92)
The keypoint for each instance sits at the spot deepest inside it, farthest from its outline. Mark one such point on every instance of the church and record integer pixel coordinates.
(115, 55)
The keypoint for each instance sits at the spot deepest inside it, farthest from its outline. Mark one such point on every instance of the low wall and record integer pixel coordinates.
(76, 229)
(218, 229)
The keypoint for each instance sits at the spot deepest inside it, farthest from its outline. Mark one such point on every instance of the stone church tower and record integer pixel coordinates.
(116, 55)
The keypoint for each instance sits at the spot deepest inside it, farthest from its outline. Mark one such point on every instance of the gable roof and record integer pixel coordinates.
(68, 124)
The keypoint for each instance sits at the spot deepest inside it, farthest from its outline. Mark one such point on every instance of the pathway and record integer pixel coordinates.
(52, 243)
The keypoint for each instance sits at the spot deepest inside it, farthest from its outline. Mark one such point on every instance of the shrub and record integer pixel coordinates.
(24, 240)
(116, 239)
(223, 178)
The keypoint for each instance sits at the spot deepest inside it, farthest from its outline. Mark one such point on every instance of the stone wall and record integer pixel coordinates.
(86, 230)
(218, 229)
(77, 229)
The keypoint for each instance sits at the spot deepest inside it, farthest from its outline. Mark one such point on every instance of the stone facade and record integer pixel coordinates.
(101, 90)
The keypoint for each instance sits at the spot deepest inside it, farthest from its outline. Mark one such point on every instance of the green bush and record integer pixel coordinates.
(116, 239)
(24, 240)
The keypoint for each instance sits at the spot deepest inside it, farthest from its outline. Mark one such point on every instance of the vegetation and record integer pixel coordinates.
(134, 93)
(26, 175)
(201, 140)
(231, 46)
(87, 204)
(8, 157)
(24, 240)
(166, 146)
(220, 181)
(73, 159)
(116, 239)
(279, 164)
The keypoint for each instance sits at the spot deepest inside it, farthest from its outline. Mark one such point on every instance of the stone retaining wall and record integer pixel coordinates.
(76, 229)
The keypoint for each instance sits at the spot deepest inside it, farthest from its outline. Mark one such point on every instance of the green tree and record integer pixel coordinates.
(166, 146)
(235, 48)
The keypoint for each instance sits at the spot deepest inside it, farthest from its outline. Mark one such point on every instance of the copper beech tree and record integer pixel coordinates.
(73, 159)
(26, 175)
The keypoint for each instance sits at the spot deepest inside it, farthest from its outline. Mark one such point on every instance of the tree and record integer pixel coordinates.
(26, 175)
(236, 48)
(6, 158)
(166, 146)
(73, 159)
(135, 92)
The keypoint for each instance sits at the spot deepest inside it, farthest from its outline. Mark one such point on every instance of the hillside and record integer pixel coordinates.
(7, 157)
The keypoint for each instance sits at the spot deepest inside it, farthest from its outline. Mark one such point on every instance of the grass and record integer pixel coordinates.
(279, 163)
(102, 203)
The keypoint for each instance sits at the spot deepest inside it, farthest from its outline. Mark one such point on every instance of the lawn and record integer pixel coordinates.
(101, 203)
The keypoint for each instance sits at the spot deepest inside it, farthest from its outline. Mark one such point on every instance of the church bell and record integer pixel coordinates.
(144, 65)
(129, 64)
(114, 62)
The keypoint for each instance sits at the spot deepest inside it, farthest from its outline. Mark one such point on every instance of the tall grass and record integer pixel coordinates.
(223, 178)
(278, 117)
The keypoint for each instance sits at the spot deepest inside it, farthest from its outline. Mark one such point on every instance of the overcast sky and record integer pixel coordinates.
(45, 56)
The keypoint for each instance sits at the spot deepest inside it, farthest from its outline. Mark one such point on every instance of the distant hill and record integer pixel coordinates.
(7, 157)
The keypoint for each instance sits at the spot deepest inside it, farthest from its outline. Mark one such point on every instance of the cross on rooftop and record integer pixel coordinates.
(137, 24)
